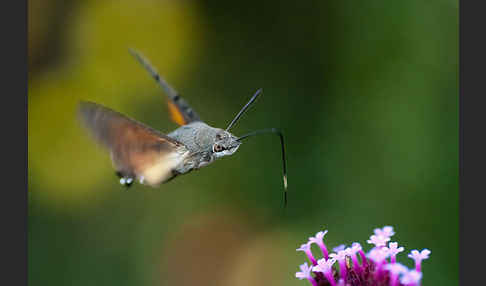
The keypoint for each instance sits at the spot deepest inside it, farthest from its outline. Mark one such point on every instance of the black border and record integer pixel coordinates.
(472, 156)
(14, 140)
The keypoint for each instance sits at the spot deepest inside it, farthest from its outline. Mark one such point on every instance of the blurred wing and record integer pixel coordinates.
(136, 150)
(180, 111)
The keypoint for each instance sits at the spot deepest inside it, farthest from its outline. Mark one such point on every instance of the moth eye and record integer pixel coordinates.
(217, 148)
(218, 137)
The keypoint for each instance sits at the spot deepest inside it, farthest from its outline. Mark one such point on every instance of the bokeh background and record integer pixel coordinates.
(366, 93)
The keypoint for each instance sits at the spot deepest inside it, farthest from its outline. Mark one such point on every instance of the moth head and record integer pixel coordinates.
(225, 144)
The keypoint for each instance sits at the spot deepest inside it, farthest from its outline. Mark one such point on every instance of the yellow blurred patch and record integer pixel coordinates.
(68, 167)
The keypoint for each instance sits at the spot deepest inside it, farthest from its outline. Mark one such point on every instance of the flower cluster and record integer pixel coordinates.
(351, 266)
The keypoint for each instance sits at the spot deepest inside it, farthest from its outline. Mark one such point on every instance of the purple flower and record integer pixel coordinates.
(341, 258)
(364, 269)
(339, 248)
(306, 247)
(356, 246)
(393, 250)
(378, 240)
(305, 273)
(386, 231)
(411, 277)
(325, 266)
(395, 269)
(418, 257)
(318, 239)
(378, 256)
(352, 251)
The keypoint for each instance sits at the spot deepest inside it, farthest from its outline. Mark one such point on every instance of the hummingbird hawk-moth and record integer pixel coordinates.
(139, 152)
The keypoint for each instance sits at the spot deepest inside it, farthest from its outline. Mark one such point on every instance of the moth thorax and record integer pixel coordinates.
(206, 136)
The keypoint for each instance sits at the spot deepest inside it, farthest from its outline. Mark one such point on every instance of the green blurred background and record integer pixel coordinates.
(366, 93)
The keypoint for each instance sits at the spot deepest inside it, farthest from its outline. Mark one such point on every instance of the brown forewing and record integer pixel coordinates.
(136, 149)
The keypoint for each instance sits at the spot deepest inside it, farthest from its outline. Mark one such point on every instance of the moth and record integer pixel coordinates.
(139, 152)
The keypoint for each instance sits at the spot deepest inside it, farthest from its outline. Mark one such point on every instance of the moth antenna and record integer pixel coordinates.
(247, 105)
(279, 133)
